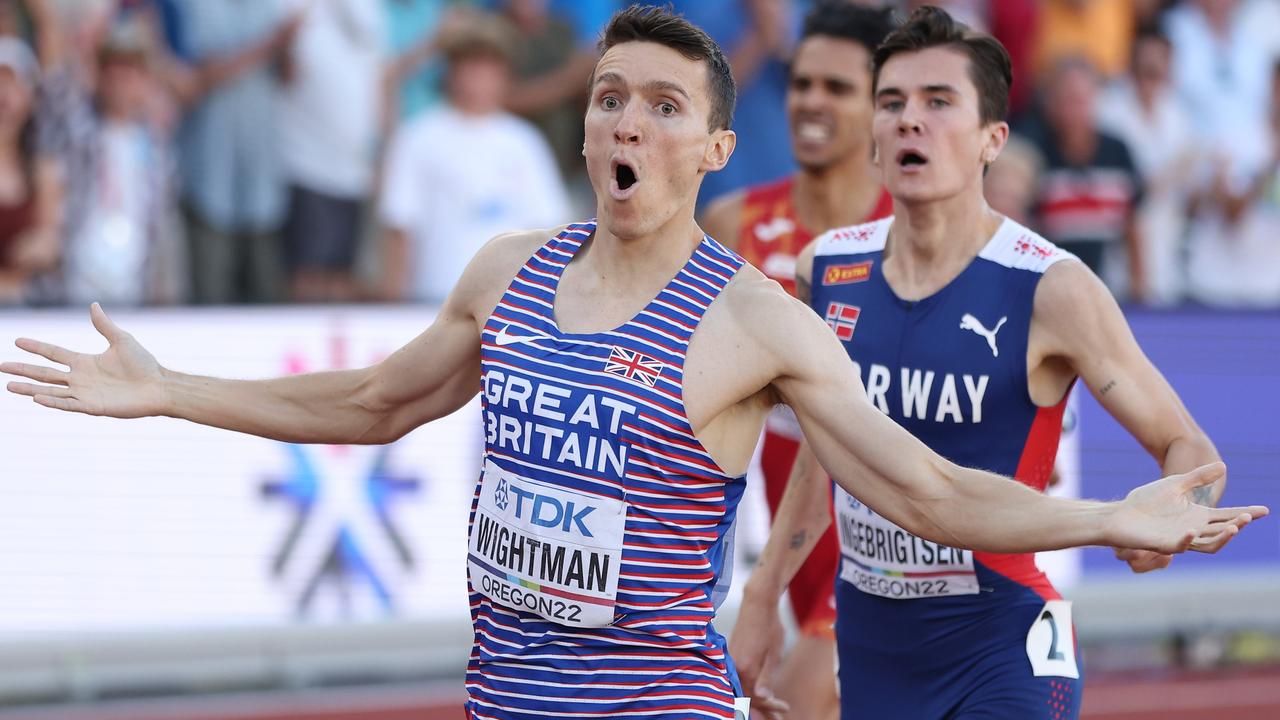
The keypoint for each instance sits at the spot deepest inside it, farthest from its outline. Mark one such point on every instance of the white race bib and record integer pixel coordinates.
(546, 550)
(1051, 641)
(880, 558)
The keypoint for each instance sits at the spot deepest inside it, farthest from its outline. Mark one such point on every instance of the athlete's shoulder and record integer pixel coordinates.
(498, 261)
(854, 239)
(756, 302)
(722, 219)
(1020, 248)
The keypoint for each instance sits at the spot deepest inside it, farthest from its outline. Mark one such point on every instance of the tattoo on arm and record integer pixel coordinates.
(803, 289)
(1107, 388)
(797, 540)
(1203, 495)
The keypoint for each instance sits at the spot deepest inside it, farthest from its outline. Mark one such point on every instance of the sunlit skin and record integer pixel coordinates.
(649, 108)
(927, 105)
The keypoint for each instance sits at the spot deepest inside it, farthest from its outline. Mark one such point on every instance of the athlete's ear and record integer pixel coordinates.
(997, 135)
(720, 145)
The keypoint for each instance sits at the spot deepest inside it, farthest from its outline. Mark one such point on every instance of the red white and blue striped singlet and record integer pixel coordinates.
(601, 533)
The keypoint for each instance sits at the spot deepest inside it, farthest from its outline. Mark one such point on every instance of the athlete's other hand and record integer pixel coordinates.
(124, 381)
(1143, 561)
(1160, 517)
(757, 641)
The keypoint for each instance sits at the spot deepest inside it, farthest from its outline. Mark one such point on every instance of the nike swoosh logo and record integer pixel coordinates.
(504, 338)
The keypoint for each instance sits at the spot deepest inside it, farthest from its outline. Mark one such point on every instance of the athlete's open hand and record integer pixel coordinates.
(1160, 517)
(125, 381)
(756, 644)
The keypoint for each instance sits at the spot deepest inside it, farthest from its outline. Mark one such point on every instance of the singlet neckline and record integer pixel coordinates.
(573, 250)
(1005, 225)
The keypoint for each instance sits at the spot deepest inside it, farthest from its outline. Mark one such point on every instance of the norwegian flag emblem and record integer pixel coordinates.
(843, 319)
(634, 366)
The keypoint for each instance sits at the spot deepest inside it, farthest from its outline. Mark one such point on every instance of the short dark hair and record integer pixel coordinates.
(844, 20)
(649, 23)
(989, 67)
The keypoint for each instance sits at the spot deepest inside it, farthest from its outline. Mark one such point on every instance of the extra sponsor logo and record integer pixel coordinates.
(847, 274)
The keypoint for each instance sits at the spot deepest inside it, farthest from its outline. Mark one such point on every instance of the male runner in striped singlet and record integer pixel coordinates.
(625, 368)
(829, 113)
(968, 330)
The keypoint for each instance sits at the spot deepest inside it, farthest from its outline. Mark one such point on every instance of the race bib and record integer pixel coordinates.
(1051, 641)
(880, 558)
(546, 550)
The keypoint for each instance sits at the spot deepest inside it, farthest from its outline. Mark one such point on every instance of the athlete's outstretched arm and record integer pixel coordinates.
(899, 477)
(433, 375)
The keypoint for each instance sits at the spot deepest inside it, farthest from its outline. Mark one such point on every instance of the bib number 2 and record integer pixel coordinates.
(1051, 645)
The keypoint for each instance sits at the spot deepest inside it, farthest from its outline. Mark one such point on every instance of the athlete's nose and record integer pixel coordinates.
(909, 120)
(627, 130)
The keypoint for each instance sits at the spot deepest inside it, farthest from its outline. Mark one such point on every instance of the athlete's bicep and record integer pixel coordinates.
(439, 371)
(1084, 325)
(864, 451)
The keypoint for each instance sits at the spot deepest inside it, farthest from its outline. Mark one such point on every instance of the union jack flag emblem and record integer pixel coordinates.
(634, 366)
(843, 319)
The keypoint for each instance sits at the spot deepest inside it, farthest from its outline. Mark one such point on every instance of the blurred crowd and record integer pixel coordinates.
(247, 151)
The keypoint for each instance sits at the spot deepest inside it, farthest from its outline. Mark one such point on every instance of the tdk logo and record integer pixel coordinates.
(543, 510)
(500, 497)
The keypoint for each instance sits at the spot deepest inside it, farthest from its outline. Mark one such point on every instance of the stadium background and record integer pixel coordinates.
(158, 570)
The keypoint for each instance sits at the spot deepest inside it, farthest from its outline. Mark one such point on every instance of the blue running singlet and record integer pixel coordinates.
(927, 631)
(601, 531)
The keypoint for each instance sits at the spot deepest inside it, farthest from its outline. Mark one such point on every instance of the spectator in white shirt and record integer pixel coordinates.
(464, 172)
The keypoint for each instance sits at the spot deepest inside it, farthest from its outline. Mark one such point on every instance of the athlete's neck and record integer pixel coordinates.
(930, 243)
(837, 195)
(640, 262)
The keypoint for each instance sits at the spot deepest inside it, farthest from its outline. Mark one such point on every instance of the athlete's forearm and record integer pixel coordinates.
(327, 407)
(802, 517)
(986, 512)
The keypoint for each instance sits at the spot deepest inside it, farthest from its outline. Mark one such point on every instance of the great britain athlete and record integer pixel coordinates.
(625, 367)
(829, 116)
(969, 330)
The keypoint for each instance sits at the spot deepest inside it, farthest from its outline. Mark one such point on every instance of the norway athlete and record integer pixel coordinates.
(829, 117)
(627, 368)
(969, 331)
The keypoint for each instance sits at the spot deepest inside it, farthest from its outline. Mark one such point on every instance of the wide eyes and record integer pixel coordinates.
(610, 103)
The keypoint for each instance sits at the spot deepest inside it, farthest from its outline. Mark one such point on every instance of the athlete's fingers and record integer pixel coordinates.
(105, 327)
(39, 373)
(68, 404)
(48, 351)
(1215, 543)
(1228, 513)
(1203, 475)
(21, 388)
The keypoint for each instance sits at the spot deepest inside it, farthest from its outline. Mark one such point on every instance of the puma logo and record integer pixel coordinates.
(774, 229)
(969, 322)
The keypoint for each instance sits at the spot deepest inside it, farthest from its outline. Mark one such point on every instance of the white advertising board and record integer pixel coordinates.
(155, 523)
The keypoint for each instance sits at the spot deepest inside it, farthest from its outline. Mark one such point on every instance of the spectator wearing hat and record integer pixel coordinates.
(465, 171)
(123, 241)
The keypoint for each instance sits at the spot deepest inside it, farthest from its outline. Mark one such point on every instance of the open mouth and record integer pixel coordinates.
(624, 176)
(910, 158)
(624, 180)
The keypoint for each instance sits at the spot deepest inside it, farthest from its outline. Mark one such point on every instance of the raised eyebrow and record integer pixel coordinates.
(658, 86)
(607, 77)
